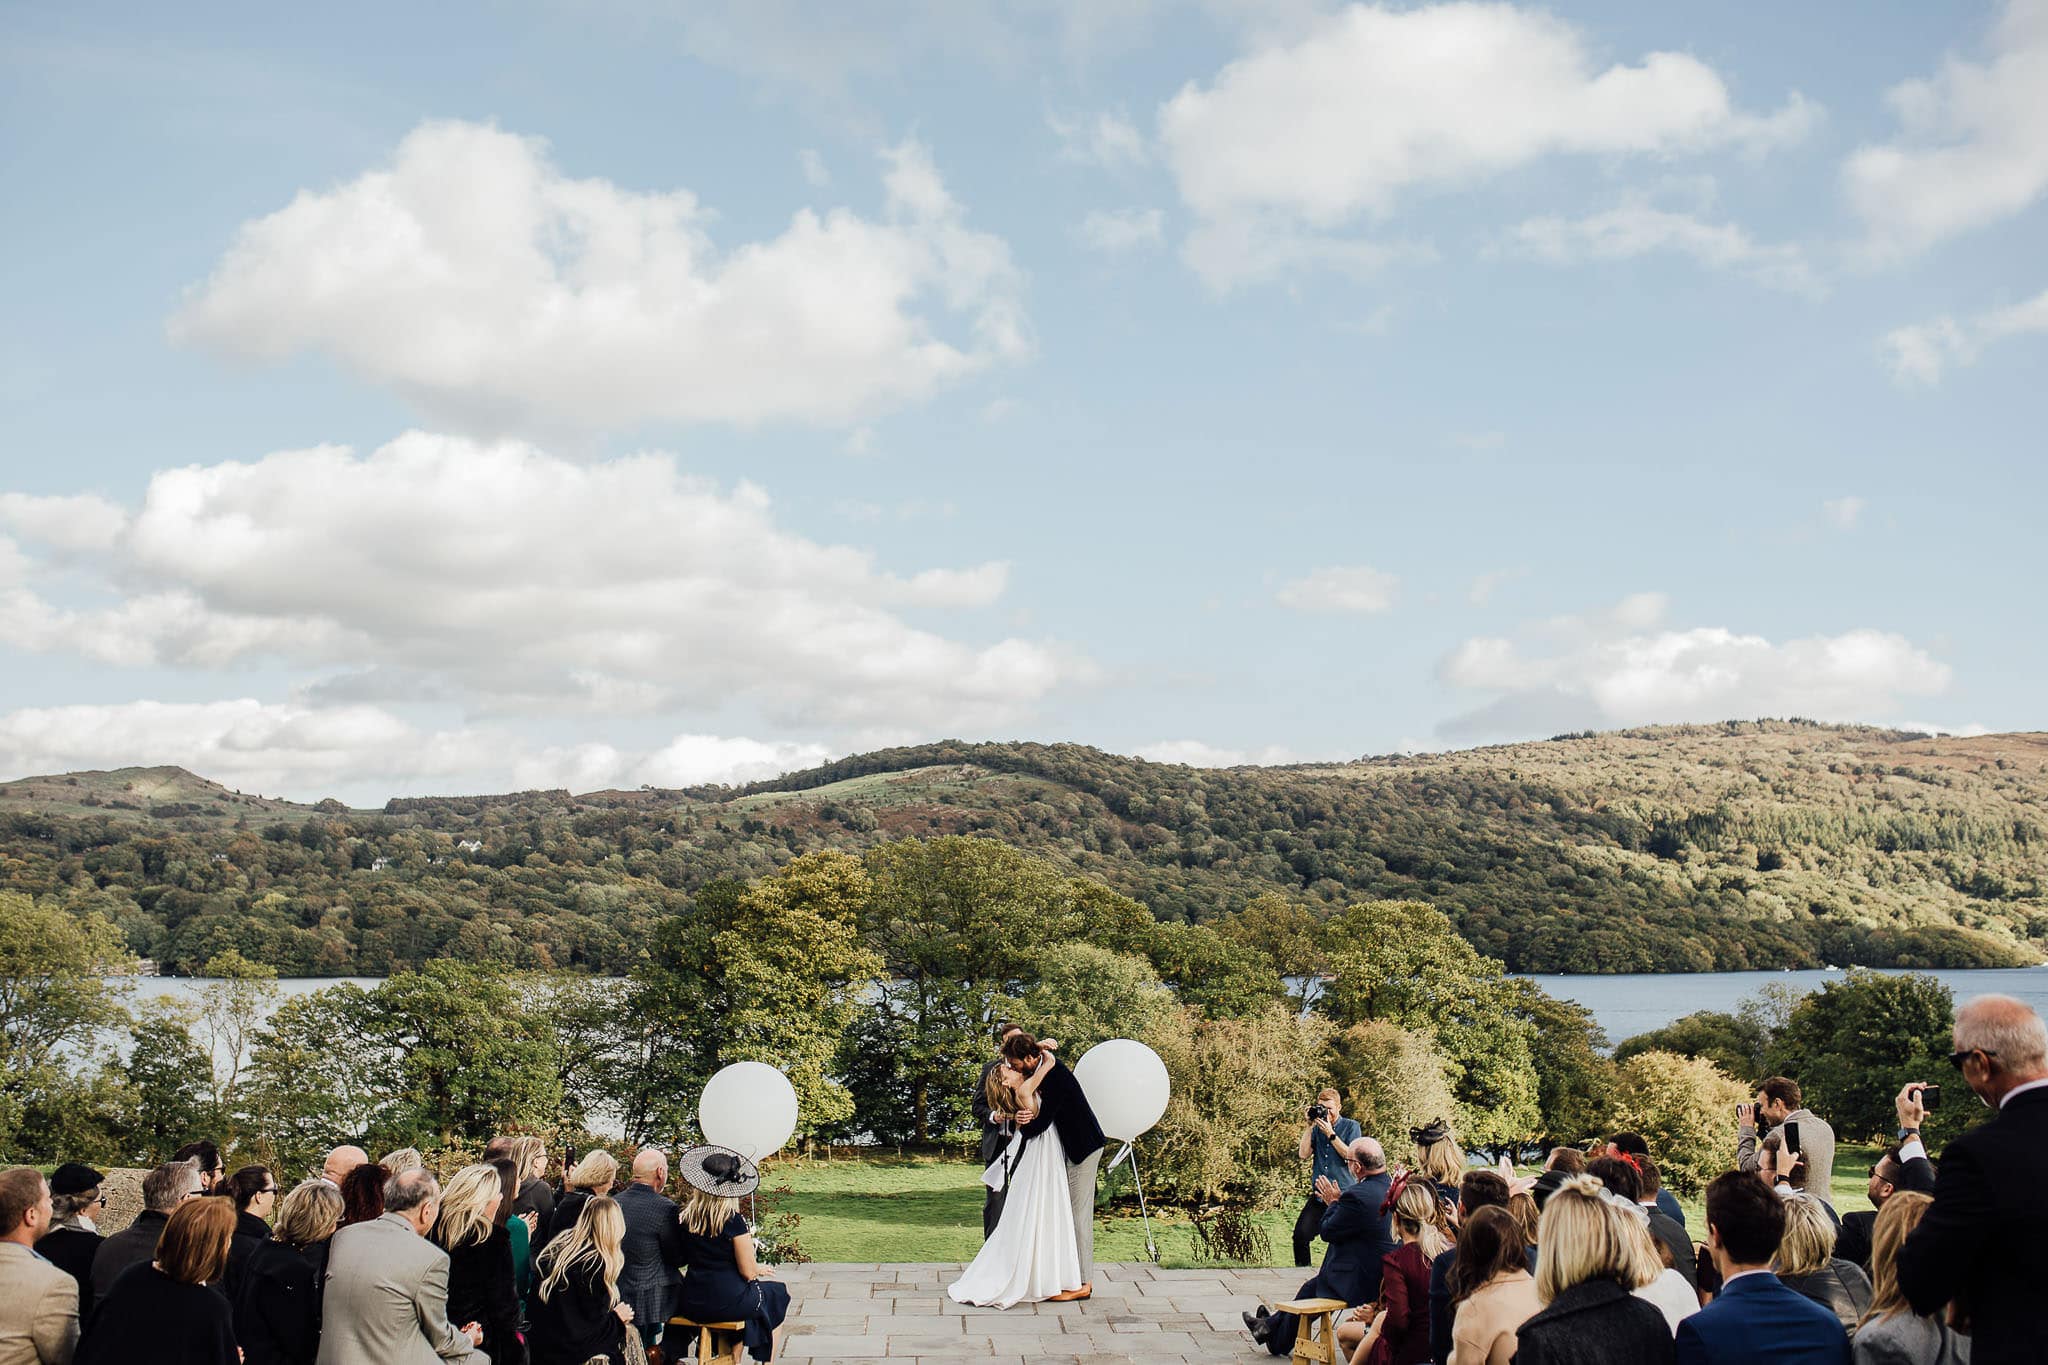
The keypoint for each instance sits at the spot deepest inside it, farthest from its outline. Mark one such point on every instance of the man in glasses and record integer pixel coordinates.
(74, 1235)
(163, 1189)
(1982, 1246)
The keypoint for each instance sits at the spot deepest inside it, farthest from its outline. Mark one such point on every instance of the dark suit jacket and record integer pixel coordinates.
(1063, 1108)
(1983, 1239)
(654, 1248)
(277, 1304)
(1595, 1322)
(993, 1138)
(1852, 1244)
(1360, 1238)
(1672, 1234)
(131, 1245)
(1667, 1204)
(1759, 1318)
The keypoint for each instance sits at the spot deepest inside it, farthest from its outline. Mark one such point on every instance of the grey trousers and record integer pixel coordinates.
(1081, 1186)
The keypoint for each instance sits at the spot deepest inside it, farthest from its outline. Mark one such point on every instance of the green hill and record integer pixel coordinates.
(1746, 844)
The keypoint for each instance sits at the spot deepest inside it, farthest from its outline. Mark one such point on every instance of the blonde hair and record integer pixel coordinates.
(707, 1214)
(1417, 1212)
(1443, 1161)
(469, 1206)
(1895, 1222)
(1522, 1206)
(598, 1167)
(595, 1240)
(1809, 1239)
(309, 1214)
(403, 1160)
(1001, 1099)
(1586, 1235)
(522, 1151)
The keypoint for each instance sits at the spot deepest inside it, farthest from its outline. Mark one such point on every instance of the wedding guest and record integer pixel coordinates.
(277, 1304)
(725, 1281)
(1672, 1294)
(590, 1177)
(403, 1160)
(1634, 1148)
(1888, 1176)
(536, 1196)
(38, 1301)
(163, 1191)
(481, 1283)
(1755, 1316)
(205, 1158)
(254, 1194)
(1778, 1103)
(1398, 1332)
(1891, 1333)
(1522, 1207)
(1357, 1230)
(1438, 1158)
(577, 1315)
(653, 1246)
(1491, 1290)
(165, 1310)
(74, 1237)
(1806, 1262)
(386, 1295)
(362, 1194)
(340, 1162)
(1593, 1262)
(1477, 1189)
(1623, 1177)
(517, 1234)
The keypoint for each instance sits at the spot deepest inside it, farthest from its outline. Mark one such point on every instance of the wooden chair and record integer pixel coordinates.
(1316, 1342)
(706, 1354)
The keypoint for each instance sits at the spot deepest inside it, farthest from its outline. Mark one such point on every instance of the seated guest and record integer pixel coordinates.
(74, 1238)
(38, 1301)
(536, 1197)
(653, 1246)
(402, 1160)
(1357, 1236)
(163, 1191)
(1891, 1333)
(1398, 1333)
(1522, 1206)
(1806, 1262)
(277, 1302)
(1476, 1190)
(385, 1301)
(1674, 1296)
(254, 1194)
(1439, 1159)
(205, 1158)
(1632, 1145)
(590, 1177)
(517, 1233)
(340, 1162)
(577, 1314)
(1491, 1290)
(165, 1310)
(1624, 1179)
(362, 1194)
(480, 1271)
(723, 1280)
(1889, 1175)
(1595, 1256)
(1755, 1316)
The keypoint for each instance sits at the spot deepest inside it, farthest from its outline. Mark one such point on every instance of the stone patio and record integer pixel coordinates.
(1141, 1314)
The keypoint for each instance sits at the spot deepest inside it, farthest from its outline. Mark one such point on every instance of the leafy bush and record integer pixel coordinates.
(1685, 1110)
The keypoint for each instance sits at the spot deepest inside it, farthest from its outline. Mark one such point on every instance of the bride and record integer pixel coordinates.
(1032, 1254)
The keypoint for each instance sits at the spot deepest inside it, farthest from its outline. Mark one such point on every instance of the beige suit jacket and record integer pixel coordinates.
(387, 1300)
(38, 1309)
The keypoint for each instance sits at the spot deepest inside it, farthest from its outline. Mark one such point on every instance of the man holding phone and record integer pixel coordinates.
(1779, 1105)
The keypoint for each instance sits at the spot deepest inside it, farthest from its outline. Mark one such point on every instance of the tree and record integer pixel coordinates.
(1574, 1083)
(243, 994)
(169, 1099)
(55, 1008)
(1853, 1043)
(1685, 1110)
(677, 1000)
(318, 1075)
(1085, 994)
(1392, 1079)
(469, 1060)
(1285, 933)
(1733, 1042)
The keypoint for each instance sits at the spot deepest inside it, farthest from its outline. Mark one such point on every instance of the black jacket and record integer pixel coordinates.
(1596, 1322)
(1852, 1244)
(1063, 1108)
(277, 1304)
(145, 1315)
(1360, 1238)
(132, 1245)
(575, 1321)
(1671, 1233)
(993, 1138)
(250, 1232)
(1983, 1241)
(557, 1220)
(480, 1290)
(71, 1250)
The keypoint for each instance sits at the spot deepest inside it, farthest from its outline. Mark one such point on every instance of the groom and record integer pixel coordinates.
(1064, 1109)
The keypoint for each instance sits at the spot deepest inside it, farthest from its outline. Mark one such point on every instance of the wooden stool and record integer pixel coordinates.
(1308, 1345)
(704, 1331)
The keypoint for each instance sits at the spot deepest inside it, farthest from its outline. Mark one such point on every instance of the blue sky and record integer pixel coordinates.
(453, 398)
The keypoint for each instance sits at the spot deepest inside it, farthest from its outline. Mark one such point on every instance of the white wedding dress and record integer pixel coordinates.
(1032, 1255)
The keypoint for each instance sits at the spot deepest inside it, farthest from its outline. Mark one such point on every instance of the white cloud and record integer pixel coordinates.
(501, 577)
(1197, 754)
(1972, 147)
(1921, 352)
(79, 523)
(1615, 668)
(1300, 140)
(483, 284)
(1340, 588)
(1485, 585)
(1106, 140)
(1117, 230)
(689, 760)
(1932, 728)
(1640, 229)
(1844, 512)
(816, 175)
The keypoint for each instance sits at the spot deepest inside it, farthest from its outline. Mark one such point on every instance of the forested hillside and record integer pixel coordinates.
(1762, 844)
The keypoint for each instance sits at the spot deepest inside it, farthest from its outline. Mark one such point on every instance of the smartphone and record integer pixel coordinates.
(1930, 1097)
(1791, 1137)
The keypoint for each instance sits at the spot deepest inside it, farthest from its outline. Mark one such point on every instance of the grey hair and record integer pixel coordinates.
(408, 1190)
(63, 1206)
(164, 1188)
(404, 1159)
(2006, 1028)
(1370, 1154)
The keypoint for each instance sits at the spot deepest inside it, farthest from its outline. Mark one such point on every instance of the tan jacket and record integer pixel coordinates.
(1483, 1332)
(387, 1300)
(38, 1309)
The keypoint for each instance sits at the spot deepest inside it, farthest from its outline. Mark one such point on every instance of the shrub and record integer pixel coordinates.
(1392, 1079)
(1685, 1110)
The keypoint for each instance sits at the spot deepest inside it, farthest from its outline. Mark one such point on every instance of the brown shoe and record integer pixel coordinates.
(1086, 1291)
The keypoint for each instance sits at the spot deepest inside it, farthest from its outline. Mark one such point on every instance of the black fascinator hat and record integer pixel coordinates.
(719, 1171)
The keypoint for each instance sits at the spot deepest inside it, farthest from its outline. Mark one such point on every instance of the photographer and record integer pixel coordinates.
(1326, 1144)
(1779, 1106)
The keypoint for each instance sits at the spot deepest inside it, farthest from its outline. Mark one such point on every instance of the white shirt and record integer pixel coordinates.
(1672, 1297)
(1911, 1148)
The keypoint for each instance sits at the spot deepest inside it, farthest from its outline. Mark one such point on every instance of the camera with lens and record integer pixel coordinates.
(1318, 1112)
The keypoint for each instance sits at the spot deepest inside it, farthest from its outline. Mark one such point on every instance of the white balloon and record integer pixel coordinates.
(1126, 1086)
(749, 1107)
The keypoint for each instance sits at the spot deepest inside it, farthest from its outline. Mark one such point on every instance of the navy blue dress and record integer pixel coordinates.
(715, 1291)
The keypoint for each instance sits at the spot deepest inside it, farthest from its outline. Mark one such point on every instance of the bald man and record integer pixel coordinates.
(1982, 1244)
(340, 1162)
(653, 1245)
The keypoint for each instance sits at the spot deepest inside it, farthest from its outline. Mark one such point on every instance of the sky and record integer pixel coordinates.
(402, 400)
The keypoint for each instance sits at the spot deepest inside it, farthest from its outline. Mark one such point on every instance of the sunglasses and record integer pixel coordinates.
(1956, 1059)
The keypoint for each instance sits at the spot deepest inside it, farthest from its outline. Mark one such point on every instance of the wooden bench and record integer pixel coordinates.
(1310, 1345)
(705, 1353)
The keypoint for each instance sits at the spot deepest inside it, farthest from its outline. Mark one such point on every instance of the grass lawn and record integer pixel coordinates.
(929, 1209)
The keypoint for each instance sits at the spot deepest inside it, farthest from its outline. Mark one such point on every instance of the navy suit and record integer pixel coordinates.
(1360, 1237)
(1759, 1318)
(1667, 1204)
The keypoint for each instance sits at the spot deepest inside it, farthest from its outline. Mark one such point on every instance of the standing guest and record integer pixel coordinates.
(163, 1190)
(1891, 1333)
(38, 1301)
(1982, 1244)
(340, 1162)
(1755, 1316)
(1491, 1290)
(1438, 1158)
(726, 1283)
(517, 1234)
(1522, 1208)
(536, 1196)
(1778, 1103)
(1326, 1146)
(480, 1276)
(386, 1299)
(1358, 1231)
(74, 1238)
(1888, 1176)
(653, 1246)
(362, 1194)
(254, 1193)
(578, 1316)
(277, 1304)
(166, 1310)
(1635, 1150)
(205, 1157)
(1806, 1261)
(997, 1129)
(1621, 1176)
(587, 1179)
(1398, 1334)
(1476, 1190)
(1594, 1259)
(1669, 1229)
(403, 1160)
